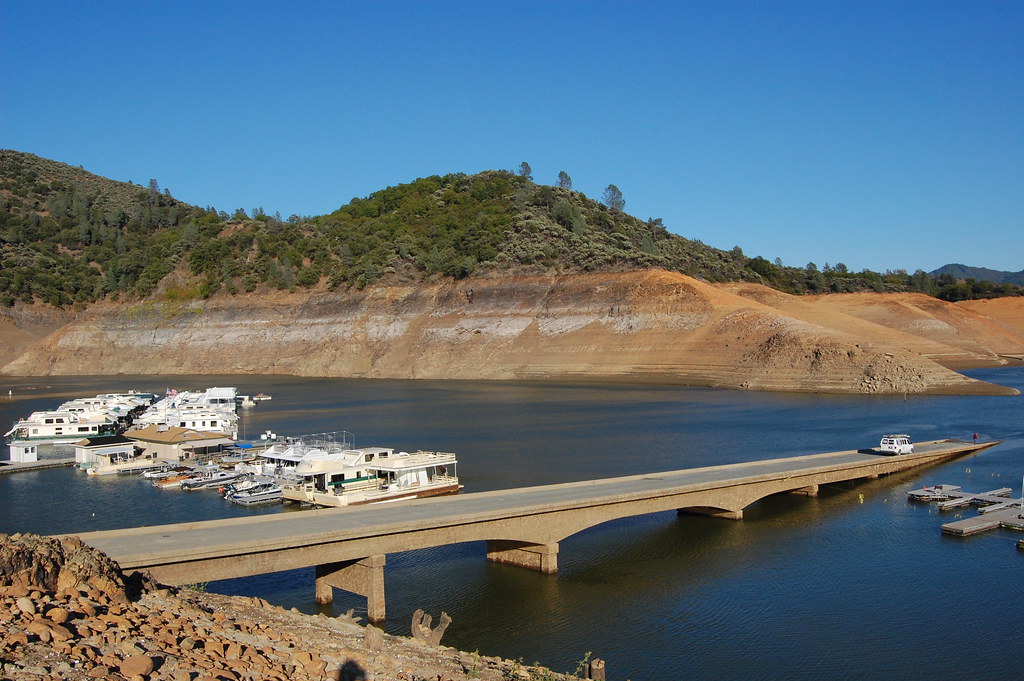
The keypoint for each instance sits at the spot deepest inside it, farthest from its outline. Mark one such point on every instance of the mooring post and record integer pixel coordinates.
(363, 576)
(595, 670)
(539, 557)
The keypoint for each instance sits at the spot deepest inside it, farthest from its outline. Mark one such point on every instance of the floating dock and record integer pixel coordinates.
(1010, 518)
(995, 510)
(19, 466)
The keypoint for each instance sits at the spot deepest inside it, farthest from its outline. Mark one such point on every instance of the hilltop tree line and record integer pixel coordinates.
(70, 237)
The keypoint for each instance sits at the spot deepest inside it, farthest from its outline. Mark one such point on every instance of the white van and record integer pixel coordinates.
(896, 444)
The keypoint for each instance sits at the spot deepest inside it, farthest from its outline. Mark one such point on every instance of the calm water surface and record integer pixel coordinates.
(857, 583)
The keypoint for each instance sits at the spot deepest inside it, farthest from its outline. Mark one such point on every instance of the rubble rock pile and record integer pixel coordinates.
(67, 612)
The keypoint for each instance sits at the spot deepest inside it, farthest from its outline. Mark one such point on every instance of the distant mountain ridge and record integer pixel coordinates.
(959, 271)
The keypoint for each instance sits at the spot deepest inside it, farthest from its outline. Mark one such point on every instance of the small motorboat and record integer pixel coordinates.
(261, 493)
(213, 479)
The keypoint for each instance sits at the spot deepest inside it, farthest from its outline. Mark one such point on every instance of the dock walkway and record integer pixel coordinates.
(1010, 518)
(995, 510)
(20, 466)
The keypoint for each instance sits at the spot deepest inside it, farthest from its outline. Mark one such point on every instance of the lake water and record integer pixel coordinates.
(856, 583)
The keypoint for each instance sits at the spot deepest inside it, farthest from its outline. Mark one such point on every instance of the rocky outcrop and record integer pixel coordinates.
(61, 565)
(637, 326)
(77, 618)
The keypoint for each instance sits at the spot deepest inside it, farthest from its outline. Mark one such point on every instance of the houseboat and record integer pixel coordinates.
(85, 417)
(61, 427)
(331, 473)
(212, 410)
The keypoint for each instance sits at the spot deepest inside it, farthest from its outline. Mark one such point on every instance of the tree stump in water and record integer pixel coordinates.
(421, 630)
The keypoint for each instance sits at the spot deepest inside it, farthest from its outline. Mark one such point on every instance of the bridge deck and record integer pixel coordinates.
(153, 546)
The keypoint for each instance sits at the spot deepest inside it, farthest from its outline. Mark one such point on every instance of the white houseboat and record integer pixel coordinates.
(80, 418)
(206, 420)
(211, 410)
(326, 470)
(61, 427)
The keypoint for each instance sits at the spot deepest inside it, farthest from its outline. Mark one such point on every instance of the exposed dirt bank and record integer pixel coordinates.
(638, 326)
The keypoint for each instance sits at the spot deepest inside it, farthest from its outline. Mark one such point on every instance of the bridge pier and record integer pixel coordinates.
(809, 491)
(539, 557)
(364, 576)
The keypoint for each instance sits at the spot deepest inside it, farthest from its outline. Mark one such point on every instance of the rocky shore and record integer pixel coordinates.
(67, 612)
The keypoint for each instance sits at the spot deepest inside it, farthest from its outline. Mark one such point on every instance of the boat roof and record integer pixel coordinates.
(404, 461)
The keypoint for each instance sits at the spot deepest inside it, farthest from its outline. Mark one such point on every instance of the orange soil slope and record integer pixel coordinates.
(979, 333)
(636, 326)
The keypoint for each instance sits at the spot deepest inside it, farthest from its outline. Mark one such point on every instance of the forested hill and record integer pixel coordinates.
(70, 237)
(963, 272)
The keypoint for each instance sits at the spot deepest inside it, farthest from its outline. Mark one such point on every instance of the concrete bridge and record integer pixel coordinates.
(521, 526)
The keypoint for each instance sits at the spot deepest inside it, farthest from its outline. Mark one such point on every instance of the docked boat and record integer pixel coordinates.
(165, 472)
(242, 482)
(61, 427)
(174, 480)
(211, 410)
(246, 401)
(260, 493)
(261, 397)
(330, 472)
(211, 479)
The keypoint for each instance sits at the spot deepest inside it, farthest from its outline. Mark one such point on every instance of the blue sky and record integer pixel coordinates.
(882, 135)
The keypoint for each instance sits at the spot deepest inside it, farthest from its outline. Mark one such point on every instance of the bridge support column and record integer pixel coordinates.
(364, 577)
(539, 557)
(809, 491)
(713, 512)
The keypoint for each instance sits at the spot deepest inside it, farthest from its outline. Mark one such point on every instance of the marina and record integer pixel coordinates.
(98, 423)
(199, 428)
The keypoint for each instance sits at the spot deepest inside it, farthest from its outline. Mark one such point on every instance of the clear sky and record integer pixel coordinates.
(882, 135)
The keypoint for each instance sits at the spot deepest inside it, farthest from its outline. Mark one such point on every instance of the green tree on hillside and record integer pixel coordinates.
(564, 181)
(612, 198)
